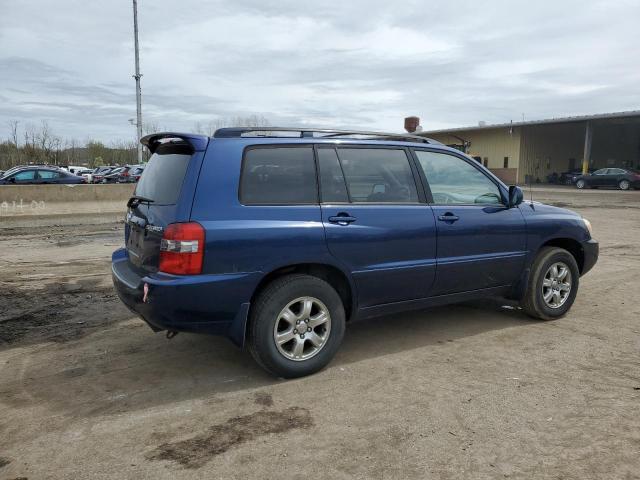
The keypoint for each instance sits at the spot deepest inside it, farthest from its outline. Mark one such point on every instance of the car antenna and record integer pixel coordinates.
(531, 191)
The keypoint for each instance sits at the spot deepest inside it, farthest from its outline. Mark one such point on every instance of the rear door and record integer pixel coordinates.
(599, 178)
(481, 242)
(48, 176)
(377, 222)
(164, 196)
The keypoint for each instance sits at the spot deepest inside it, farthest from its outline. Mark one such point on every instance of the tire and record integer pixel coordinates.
(624, 184)
(533, 302)
(581, 184)
(266, 321)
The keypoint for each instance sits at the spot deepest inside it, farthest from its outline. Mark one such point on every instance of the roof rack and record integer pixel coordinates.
(236, 132)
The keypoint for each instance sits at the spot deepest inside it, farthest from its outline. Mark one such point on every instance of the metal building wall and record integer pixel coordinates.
(492, 144)
(549, 148)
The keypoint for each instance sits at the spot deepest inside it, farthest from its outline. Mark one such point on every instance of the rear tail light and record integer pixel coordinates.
(182, 249)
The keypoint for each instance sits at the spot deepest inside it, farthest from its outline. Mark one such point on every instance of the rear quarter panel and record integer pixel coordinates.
(248, 239)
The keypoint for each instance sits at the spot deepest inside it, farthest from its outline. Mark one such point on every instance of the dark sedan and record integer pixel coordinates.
(40, 176)
(621, 178)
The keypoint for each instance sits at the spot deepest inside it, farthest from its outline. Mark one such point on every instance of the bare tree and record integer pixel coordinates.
(13, 131)
(222, 122)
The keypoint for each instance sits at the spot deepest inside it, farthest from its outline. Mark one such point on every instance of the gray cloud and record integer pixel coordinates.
(362, 63)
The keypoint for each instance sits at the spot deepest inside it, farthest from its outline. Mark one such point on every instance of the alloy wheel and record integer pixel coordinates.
(302, 328)
(556, 285)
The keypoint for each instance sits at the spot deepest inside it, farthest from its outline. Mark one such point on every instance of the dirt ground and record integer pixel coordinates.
(471, 391)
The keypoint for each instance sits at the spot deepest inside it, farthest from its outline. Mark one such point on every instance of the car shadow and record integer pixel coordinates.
(126, 368)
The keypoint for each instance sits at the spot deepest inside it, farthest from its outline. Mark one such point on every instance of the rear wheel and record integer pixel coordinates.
(581, 184)
(296, 326)
(553, 284)
(624, 184)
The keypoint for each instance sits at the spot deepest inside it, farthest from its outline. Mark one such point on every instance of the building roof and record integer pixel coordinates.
(580, 118)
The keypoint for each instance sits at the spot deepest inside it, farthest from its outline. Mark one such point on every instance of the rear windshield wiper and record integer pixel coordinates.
(136, 200)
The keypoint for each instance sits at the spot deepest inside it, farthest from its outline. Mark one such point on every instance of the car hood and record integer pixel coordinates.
(546, 209)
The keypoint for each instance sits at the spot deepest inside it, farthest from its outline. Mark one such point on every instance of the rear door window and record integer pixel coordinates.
(48, 174)
(164, 174)
(278, 176)
(378, 175)
(332, 186)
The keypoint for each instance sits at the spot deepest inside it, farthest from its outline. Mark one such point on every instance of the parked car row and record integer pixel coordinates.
(125, 174)
(51, 174)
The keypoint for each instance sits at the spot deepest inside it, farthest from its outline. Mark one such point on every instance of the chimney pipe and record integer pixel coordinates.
(411, 124)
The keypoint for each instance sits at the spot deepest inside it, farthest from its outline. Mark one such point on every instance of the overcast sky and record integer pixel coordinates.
(349, 63)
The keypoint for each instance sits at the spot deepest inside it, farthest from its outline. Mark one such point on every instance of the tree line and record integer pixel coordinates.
(38, 144)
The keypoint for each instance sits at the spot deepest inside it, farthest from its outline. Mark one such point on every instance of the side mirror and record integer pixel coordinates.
(515, 196)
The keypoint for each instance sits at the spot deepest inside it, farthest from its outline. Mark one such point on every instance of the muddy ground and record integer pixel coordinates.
(471, 391)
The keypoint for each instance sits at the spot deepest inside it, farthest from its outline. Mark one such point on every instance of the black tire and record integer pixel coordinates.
(533, 302)
(624, 184)
(265, 311)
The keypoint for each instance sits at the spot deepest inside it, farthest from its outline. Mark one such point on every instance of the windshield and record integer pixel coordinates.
(162, 177)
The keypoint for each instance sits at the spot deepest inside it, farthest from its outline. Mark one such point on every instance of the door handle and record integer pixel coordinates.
(448, 217)
(342, 219)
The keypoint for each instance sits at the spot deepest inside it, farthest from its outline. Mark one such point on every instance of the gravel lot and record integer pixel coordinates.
(471, 391)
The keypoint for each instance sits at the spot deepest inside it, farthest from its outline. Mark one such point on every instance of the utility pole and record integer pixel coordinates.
(137, 76)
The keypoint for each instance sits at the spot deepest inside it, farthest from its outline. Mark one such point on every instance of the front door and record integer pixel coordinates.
(481, 242)
(377, 223)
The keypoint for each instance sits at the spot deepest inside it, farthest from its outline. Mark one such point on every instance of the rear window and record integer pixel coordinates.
(163, 175)
(278, 176)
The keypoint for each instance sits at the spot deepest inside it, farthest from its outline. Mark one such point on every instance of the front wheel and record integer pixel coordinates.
(581, 184)
(553, 284)
(296, 326)
(624, 185)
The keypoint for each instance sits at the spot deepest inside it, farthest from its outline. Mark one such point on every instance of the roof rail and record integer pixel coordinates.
(266, 131)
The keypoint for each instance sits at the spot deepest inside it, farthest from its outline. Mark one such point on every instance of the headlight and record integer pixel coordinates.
(587, 224)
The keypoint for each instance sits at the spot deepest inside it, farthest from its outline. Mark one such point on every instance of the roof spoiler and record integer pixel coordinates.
(154, 140)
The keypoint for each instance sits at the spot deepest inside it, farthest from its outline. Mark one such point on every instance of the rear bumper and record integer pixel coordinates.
(591, 249)
(213, 304)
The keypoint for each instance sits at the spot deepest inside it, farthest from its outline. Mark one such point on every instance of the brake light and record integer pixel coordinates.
(182, 249)
(125, 174)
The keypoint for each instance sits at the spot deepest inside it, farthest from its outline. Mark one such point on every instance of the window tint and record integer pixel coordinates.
(616, 171)
(162, 180)
(48, 174)
(454, 181)
(378, 175)
(278, 175)
(333, 188)
(602, 171)
(24, 175)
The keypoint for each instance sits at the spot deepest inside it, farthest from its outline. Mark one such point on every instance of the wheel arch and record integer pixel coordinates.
(334, 276)
(570, 245)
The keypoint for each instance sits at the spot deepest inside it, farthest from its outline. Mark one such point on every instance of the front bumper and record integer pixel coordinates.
(213, 304)
(591, 249)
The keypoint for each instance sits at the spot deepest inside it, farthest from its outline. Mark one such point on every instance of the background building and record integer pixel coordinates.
(519, 151)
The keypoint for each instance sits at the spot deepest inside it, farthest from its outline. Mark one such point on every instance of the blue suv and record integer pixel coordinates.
(276, 239)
